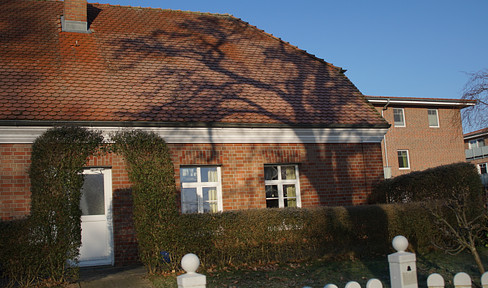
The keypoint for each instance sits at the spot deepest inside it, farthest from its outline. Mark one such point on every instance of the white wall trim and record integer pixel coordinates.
(27, 134)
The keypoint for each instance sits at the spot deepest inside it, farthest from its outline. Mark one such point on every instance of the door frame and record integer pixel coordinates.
(107, 183)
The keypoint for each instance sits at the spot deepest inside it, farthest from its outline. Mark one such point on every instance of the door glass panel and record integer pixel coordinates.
(92, 195)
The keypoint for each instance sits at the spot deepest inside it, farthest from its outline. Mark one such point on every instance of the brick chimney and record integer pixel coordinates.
(74, 17)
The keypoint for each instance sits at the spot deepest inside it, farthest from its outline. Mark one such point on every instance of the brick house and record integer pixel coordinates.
(252, 121)
(476, 145)
(424, 132)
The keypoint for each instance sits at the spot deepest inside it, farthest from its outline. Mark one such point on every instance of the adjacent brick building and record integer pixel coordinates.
(251, 121)
(476, 145)
(424, 132)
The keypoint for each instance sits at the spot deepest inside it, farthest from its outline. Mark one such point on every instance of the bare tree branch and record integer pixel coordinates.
(476, 89)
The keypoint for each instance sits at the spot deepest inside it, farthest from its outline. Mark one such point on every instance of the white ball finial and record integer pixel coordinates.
(400, 243)
(190, 263)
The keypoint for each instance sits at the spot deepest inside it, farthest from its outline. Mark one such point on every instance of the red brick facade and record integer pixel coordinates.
(330, 174)
(427, 146)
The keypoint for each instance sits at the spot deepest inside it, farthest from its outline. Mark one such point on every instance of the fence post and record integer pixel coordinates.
(484, 280)
(403, 270)
(435, 280)
(374, 283)
(190, 263)
(462, 280)
(352, 284)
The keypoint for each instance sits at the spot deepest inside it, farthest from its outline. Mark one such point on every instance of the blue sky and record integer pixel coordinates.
(417, 48)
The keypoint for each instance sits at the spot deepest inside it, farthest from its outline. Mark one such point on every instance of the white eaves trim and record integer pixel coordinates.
(420, 102)
(27, 134)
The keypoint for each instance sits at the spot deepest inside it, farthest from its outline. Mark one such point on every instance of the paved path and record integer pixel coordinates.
(120, 277)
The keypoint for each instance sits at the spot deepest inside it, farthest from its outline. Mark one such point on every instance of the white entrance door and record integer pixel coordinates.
(96, 220)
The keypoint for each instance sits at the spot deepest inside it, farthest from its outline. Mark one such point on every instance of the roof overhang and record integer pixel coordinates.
(412, 101)
(214, 135)
(476, 134)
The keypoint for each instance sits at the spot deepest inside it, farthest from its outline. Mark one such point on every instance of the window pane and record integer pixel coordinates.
(189, 195)
(402, 159)
(290, 202)
(210, 207)
(189, 200)
(272, 203)
(481, 142)
(483, 169)
(398, 117)
(188, 174)
(271, 173)
(432, 115)
(209, 194)
(189, 208)
(92, 198)
(288, 173)
(271, 191)
(209, 174)
(289, 193)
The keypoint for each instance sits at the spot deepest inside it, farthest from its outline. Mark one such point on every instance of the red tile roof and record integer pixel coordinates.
(152, 66)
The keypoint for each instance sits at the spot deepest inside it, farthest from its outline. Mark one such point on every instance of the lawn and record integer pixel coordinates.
(337, 271)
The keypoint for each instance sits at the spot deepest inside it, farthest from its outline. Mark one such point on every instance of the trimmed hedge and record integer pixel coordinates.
(155, 209)
(431, 184)
(39, 248)
(261, 236)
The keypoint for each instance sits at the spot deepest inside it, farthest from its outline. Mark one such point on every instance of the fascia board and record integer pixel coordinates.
(27, 134)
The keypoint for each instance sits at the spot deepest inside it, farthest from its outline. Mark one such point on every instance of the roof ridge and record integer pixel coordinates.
(164, 9)
(303, 51)
(228, 15)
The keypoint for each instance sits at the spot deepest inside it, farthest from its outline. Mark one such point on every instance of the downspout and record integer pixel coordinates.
(384, 136)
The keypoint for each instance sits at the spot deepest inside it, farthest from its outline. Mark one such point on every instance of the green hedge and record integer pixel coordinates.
(260, 236)
(155, 209)
(431, 184)
(39, 248)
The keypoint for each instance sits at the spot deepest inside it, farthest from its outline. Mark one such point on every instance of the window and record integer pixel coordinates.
(201, 189)
(403, 162)
(433, 118)
(398, 117)
(482, 168)
(282, 186)
(477, 143)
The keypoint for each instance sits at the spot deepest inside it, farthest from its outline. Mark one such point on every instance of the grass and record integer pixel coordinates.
(337, 271)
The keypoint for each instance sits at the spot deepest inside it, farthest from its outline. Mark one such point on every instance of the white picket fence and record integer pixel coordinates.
(403, 272)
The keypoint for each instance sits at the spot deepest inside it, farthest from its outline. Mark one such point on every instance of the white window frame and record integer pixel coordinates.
(408, 160)
(482, 164)
(199, 185)
(437, 118)
(476, 143)
(403, 118)
(280, 182)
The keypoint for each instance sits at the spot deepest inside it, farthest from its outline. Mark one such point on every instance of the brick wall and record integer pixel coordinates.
(330, 174)
(427, 147)
(14, 180)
